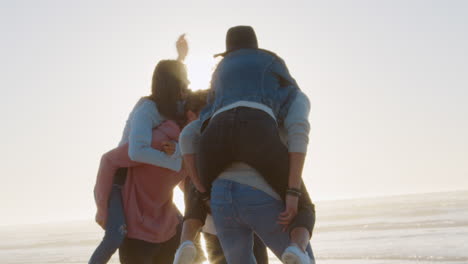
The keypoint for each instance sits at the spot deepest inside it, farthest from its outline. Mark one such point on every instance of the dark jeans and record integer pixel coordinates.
(115, 226)
(135, 251)
(251, 136)
(216, 255)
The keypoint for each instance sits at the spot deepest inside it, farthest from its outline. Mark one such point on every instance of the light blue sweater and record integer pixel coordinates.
(138, 132)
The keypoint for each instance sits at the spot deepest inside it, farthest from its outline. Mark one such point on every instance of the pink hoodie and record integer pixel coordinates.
(147, 195)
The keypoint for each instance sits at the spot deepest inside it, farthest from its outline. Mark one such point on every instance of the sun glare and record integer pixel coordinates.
(199, 70)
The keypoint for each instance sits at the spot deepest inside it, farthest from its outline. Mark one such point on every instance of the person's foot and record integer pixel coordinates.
(294, 255)
(186, 253)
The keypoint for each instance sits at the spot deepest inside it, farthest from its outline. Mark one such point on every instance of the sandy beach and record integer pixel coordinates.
(420, 228)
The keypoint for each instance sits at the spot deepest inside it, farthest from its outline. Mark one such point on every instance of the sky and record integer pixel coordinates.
(387, 81)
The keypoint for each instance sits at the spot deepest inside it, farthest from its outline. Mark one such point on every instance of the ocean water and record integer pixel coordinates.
(421, 228)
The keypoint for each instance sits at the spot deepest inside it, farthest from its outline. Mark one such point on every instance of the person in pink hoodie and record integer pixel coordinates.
(148, 220)
(147, 187)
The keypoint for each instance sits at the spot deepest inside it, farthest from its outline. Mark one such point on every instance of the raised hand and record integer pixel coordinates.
(182, 47)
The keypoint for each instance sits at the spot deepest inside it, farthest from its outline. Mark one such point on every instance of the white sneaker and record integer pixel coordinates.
(186, 253)
(294, 255)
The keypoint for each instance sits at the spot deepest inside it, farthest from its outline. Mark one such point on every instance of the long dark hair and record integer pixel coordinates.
(169, 83)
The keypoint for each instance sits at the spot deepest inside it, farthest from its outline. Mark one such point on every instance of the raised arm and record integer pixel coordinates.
(140, 150)
(182, 48)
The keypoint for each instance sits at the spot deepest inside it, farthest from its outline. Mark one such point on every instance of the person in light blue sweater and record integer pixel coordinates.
(169, 86)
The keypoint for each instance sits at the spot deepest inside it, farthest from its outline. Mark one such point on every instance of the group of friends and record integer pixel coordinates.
(236, 150)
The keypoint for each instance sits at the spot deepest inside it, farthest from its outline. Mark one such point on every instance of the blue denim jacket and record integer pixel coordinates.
(251, 75)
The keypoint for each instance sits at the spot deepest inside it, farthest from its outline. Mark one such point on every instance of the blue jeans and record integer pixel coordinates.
(216, 254)
(251, 136)
(116, 228)
(239, 211)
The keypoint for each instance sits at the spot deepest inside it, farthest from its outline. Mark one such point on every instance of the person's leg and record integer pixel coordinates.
(294, 255)
(251, 136)
(300, 236)
(214, 152)
(216, 254)
(166, 251)
(302, 226)
(135, 251)
(200, 258)
(212, 157)
(259, 211)
(259, 145)
(195, 213)
(115, 228)
(260, 250)
(190, 229)
(189, 250)
(236, 237)
(300, 229)
(214, 249)
(194, 218)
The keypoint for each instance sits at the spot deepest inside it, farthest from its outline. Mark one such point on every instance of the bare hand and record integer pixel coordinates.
(169, 147)
(182, 47)
(290, 211)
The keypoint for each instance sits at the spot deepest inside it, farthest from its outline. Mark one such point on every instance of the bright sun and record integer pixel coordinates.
(199, 70)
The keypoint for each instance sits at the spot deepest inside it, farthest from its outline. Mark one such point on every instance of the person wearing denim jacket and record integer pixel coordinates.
(294, 134)
(251, 93)
(252, 75)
